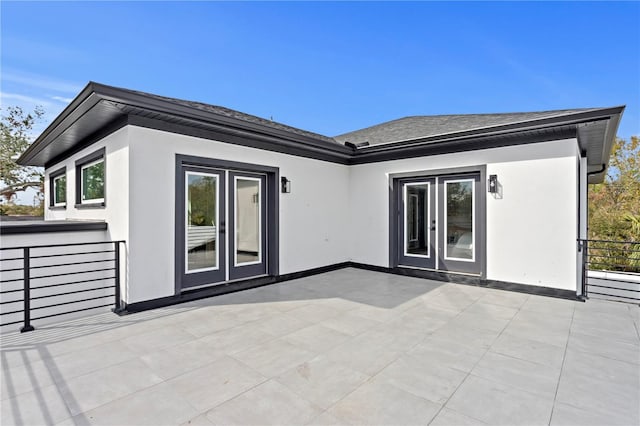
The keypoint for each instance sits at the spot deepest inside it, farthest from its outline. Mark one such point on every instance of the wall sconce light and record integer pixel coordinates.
(285, 185)
(493, 184)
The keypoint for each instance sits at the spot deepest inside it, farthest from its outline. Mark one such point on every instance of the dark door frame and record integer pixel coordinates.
(395, 210)
(272, 206)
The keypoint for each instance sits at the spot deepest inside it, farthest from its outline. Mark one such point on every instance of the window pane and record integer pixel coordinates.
(60, 190)
(417, 219)
(202, 219)
(93, 182)
(247, 221)
(459, 216)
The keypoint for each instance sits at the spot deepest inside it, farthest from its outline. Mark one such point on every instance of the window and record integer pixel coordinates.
(90, 180)
(58, 188)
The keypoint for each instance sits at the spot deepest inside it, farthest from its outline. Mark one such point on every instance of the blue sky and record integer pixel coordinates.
(330, 67)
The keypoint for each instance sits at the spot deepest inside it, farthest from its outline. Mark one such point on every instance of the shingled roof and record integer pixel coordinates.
(426, 126)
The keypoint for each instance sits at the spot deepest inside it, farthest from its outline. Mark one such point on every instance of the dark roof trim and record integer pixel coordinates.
(15, 228)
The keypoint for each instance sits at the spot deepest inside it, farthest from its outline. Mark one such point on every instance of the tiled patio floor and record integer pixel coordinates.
(346, 347)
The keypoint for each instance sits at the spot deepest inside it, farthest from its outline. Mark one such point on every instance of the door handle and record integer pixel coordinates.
(433, 225)
(222, 227)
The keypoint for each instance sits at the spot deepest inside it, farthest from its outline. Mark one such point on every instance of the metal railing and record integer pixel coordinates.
(611, 269)
(45, 281)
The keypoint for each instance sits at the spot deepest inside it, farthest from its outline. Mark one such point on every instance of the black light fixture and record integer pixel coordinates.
(285, 185)
(493, 184)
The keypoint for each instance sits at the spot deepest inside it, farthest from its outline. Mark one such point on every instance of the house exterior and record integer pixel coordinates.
(211, 200)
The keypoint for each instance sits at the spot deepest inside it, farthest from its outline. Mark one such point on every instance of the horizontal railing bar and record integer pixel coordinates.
(611, 241)
(71, 292)
(11, 258)
(12, 269)
(61, 245)
(69, 283)
(11, 281)
(10, 323)
(72, 273)
(72, 254)
(12, 312)
(11, 301)
(71, 263)
(11, 291)
(68, 303)
(612, 288)
(613, 295)
(71, 312)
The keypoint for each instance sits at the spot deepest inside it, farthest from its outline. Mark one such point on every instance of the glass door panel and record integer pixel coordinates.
(247, 217)
(201, 212)
(459, 236)
(201, 222)
(459, 218)
(417, 223)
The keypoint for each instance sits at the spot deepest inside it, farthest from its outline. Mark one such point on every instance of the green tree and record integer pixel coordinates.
(614, 210)
(15, 128)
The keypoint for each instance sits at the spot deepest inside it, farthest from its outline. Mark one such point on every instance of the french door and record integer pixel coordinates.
(221, 226)
(438, 226)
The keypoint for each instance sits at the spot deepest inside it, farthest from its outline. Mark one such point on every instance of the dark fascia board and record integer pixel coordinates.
(8, 228)
(529, 125)
(82, 103)
(163, 106)
(294, 143)
(607, 146)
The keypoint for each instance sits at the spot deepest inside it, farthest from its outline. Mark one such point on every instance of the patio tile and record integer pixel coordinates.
(520, 374)
(37, 407)
(380, 403)
(274, 357)
(480, 337)
(324, 419)
(322, 381)
(177, 360)
(567, 415)
(24, 378)
(215, 383)
(281, 324)
(316, 338)
(505, 298)
(89, 391)
(606, 326)
(349, 323)
(206, 322)
(493, 311)
(479, 321)
(268, 404)
(236, 339)
(156, 406)
(157, 339)
(364, 355)
(608, 347)
(448, 417)
(200, 420)
(314, 313)
(449, 353)
(76, 363)
(422, 378)
(549, 306)
(499, 404)
(601, 385)
(375, 313)
(529, 350)
(543, 328)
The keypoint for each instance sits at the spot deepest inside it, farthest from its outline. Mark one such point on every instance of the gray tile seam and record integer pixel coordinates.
(564, 358)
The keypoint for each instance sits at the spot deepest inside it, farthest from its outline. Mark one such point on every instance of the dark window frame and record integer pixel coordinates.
(52, 193)
(93, 157)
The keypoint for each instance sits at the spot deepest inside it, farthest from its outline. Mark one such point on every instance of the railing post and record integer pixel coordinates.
(27, 291)
(118, 302)
(585, 267)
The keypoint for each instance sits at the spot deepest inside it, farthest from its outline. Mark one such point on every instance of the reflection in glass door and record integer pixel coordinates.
(202, 227)
(459, 236)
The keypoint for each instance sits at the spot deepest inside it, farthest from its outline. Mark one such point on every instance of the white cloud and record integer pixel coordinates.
(41, 82)
(23, 99)
(62, 99)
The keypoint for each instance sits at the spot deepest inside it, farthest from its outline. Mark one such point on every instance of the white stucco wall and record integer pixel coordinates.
(115, 212)
(531, 230)
(314, 226)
